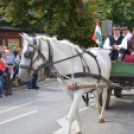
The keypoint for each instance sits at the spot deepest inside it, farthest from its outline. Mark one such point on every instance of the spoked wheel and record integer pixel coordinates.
(86, 99)
(108, 98)
(117, 92)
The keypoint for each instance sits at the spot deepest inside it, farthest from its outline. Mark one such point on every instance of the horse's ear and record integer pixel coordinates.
(25, 35)
(21, 34)
(27, 38)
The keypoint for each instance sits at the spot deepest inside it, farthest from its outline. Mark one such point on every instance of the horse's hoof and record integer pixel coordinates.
(99, 110)
(78, 132)
(101, 120)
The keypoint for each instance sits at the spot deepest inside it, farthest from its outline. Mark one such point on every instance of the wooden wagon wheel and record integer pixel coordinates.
(117, 92)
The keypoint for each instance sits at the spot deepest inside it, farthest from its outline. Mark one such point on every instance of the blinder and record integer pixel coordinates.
(29, 54)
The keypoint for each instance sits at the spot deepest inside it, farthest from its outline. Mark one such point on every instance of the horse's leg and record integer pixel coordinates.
(104, 98)
(70, 122)
(79, 123)
(97, 96)
(73, 109)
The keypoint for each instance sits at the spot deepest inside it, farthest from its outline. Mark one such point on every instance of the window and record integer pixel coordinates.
(13, 42)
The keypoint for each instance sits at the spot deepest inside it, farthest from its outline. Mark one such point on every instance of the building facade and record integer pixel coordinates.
(10, 37)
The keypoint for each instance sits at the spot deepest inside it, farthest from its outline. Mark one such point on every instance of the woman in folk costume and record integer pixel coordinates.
(129, 57)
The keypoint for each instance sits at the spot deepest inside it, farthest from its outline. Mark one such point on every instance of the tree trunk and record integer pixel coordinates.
(80, 3)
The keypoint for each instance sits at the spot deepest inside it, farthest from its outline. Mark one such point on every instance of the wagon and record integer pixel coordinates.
(122, 74)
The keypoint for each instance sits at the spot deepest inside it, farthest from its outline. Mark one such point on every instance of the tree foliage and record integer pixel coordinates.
(68, 19)
(121, 12)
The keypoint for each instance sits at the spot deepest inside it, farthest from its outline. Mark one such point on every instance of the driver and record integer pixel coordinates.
(115, 44)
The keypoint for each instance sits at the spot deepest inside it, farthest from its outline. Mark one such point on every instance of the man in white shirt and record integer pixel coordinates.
(115, 44)
(127, 35)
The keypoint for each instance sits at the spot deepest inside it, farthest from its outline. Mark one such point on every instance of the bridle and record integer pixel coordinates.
(30, 54)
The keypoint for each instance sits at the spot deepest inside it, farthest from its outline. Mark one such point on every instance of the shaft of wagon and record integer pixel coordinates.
(92, 85)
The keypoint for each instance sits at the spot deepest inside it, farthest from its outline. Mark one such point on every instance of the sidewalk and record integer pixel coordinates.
(21, 87)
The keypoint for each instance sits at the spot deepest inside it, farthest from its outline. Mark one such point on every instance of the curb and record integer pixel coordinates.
(41, 82)
(50, 80)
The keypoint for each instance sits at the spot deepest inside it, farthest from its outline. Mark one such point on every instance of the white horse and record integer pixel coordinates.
(64, 49)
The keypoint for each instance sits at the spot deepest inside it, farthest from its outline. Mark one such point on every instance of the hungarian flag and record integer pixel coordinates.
(97, 35)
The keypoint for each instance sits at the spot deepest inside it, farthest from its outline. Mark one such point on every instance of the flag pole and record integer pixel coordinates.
(99, 43)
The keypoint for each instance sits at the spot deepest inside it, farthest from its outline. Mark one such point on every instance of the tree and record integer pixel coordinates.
(18, 14)
(68, 19)
(121, 12)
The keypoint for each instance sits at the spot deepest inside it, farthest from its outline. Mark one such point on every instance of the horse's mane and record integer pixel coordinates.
(64, 42)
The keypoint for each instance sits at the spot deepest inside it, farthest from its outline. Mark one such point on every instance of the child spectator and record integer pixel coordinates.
(10, 61)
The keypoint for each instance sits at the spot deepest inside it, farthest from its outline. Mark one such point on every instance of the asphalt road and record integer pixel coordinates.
(43, 112)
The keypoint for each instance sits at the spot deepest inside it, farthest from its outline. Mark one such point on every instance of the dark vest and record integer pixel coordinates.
(114, 54)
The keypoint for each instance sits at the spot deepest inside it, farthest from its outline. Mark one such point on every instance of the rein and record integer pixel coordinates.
(52, 63)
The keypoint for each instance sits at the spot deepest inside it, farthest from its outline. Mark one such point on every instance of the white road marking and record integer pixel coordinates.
(83, 109)
(15, 118)
(63, 131)
(123, 100)
(63, 122)
(23, 105)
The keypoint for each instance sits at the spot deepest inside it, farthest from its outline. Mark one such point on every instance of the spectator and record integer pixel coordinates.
(8, 81)
(129, 57)
(1, 49)
(2, 83)
(16, 68)
(6, 48)
(32, 84)
(18, 58)
(10, 61)
(15, 51)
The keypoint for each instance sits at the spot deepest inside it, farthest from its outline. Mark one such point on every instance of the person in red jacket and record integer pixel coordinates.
(2, 83)
(129, 57)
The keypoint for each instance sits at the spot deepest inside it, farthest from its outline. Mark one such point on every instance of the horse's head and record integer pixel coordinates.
(33, 57)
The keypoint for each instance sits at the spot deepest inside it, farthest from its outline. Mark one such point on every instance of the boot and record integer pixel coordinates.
(10, 86)
(16, 84)
(6, 84)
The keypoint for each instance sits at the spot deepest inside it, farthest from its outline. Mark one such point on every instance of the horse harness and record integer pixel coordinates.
(28, 54)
